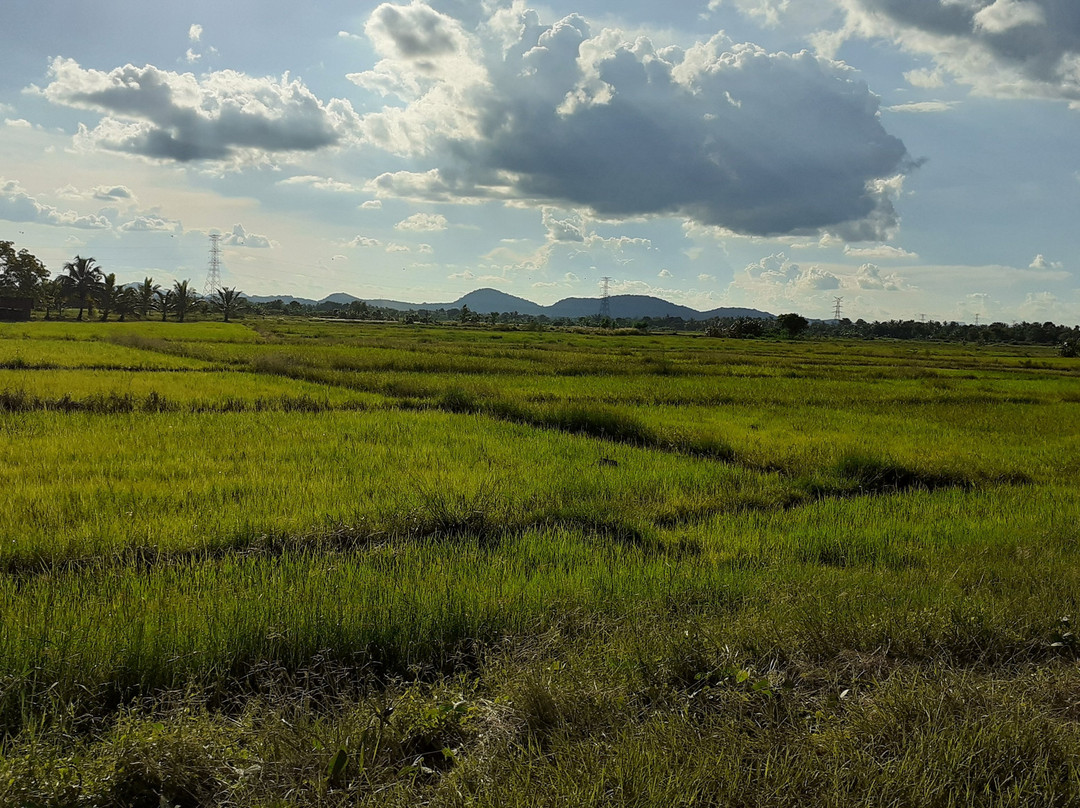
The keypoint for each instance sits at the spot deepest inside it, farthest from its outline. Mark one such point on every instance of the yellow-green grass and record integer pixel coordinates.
(839, 573)
(87, 485)
(146, 329)
(791, 589)
(155, 390)
(27, 354)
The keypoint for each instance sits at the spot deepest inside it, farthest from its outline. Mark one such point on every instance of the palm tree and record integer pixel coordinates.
(228, 300)
(126, 302)
(183, 297)
(145, 297)
(163, 301)
(108, 292)
(83, 280)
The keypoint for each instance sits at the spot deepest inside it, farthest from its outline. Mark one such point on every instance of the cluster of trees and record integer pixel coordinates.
(790, 325)
(85, 285)
(1021, 333)
(1024, 333)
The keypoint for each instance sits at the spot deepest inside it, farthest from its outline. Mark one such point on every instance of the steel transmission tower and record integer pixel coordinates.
(605, 300)
(213, 272)
(836, 308)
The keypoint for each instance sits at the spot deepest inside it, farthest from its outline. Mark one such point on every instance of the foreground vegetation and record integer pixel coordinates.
(340, 564)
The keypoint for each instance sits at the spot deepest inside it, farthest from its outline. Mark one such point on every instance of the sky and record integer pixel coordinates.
(915, 158)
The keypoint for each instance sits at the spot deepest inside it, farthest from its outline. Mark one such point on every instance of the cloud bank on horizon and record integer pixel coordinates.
(622, 138)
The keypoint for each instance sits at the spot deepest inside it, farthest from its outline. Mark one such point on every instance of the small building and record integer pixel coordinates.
(15, 309)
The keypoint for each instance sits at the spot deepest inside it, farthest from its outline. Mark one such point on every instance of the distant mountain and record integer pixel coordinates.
(286, 299)
(734, 311)
(632, 307)
(485, 301)
(340, 297)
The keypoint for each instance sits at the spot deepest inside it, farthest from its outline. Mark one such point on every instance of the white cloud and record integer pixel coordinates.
(1043, 306)
(320, 183)
(241, 238)
(923, 106)
(706, 278)
(218, 116)
(882, 252)
(726, 134)
(775, 280)
(1004, 15)
(870, 276)
(18, 206)
(926, 79)
(816, 278)
(364, 241)
(113, 193)
(1005, 48)
(664, 274)
(569, 230)
(195, 33)
(422, 223)
(617, 243)
(18, 123)
(150, 224)
(372, 204)
(1040, 262)
(430, 61)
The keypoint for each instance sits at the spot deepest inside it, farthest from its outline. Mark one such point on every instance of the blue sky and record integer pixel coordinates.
(914, 157)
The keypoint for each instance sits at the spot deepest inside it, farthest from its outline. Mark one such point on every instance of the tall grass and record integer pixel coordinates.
(320, 565)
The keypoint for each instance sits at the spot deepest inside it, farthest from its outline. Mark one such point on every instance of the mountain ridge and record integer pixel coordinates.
(488, 300)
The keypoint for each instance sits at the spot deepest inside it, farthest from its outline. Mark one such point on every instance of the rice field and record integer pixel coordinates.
(288, 563)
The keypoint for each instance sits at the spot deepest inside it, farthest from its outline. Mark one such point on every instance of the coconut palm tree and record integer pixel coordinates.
(183, 298)
(163, 301)
(144, 295)
(108, 294)
(228, 300)
(82, 282)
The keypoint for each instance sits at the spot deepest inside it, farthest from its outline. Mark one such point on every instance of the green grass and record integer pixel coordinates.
(321, 564)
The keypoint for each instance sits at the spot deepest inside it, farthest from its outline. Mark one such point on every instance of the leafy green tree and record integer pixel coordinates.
(52, 297)
(792, 324)
(83, 282)
(227, 301)
(184, 298)
(144, 297)
(21, 273)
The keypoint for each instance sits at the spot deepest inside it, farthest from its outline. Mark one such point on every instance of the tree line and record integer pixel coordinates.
(85, 285)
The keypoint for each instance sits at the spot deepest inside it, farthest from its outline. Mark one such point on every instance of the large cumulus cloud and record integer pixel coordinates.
(726, 134)
(219, 116)
(1016, 48)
